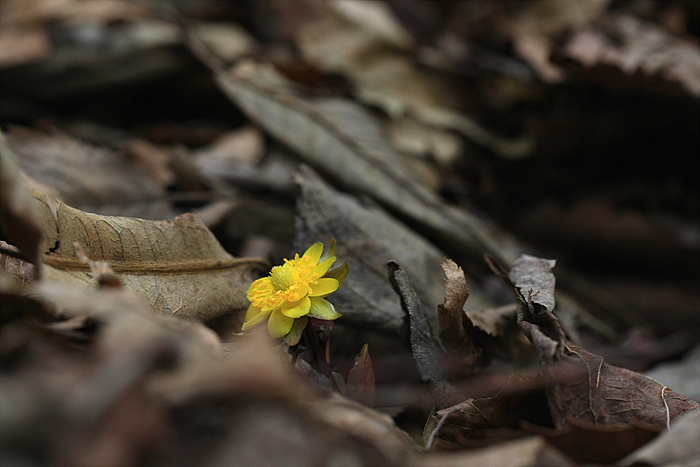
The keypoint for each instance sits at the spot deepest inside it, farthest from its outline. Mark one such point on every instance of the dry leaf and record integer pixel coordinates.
(683, 375)
(529, 452)
(678, 447)
(18, 218)
(179, 267)
(427, 350)
(581, 386)
(456, 329)
(635, 47)
(538, 24)
(360, 385)
(89, 177)
(153, 160)
(376, 430)
(476, 421)
(367, 238)
(368, 48)
(340, 138)
(451, 311)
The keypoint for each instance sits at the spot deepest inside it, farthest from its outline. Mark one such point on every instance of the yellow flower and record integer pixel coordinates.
(295, 291)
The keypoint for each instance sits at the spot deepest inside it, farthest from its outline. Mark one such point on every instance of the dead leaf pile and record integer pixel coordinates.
(156, 158)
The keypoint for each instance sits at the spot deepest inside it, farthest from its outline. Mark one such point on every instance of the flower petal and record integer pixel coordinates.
(260, 287)
(314, 252)
(296, 309)
(322, 309)
(331, 250)
(323, 266)
(325, 286)
(279, 325)
(294, 335)
(253, 317)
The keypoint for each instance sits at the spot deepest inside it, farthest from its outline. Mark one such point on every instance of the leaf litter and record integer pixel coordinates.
(426, 133)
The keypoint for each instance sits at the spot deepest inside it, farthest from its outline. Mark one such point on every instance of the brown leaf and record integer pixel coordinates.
(602, 445)
(375, 429)
(451, 311)
(18, 218)
(91, 178)
(153, 160)
(533, 451)
(475, 422)
(368, 45)
(343, 139)
(179, 267)
(581, 386)
(360, 384)
(642, 51)
(456, 329)
(676, 447)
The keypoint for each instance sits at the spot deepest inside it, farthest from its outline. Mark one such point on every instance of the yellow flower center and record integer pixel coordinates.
(281, 277)
(290, 282)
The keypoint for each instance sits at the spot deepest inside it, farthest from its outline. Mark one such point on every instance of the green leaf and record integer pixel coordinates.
(339, 273)
(322, 309)
(294, 335)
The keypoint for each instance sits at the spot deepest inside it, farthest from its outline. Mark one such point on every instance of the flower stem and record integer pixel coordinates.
(318, 355)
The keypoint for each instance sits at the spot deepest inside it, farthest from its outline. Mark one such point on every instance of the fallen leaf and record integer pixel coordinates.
(581, 386)
(153, 160)
(456, 329)
(18, 218)
(360, 385)
(92, 178)
(426, 347)
(635, 47)
(533, 451)
(677, 447)
(682, 375)
(475, 422)
(367, 239)
(368, 47)
(376, 430)
(179, 267)
(611, 444)
(451, 311)
(341, 138)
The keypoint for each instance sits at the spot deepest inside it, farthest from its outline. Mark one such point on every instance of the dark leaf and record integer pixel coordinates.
(360, 385)
(426, 347)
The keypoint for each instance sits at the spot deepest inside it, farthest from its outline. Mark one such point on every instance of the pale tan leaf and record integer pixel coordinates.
(450, 312)
(229, 41)
(364, 44)
(179, 267)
